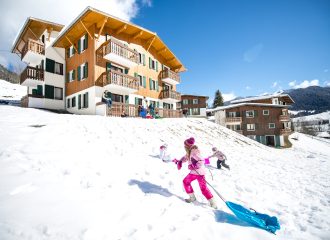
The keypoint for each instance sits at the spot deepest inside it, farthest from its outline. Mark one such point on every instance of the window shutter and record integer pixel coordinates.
(227, 114)
(157, 104)
(42, 64)
(126, 99)
(68, 103)
(73, 101)
(150, 63)
(144, 60)
(73, 50)
(199, 101)
(263, 140)
(136, 75)
(171, 106)
(163, 86)
(156, 66)
(199, 111)
(73, 74)
(51, 92)
(238, 127)
(86, 100)
(136, 101)
(245, 127)
(150, 83)
(68, 53)
(68, 77)
(126, 71)
(108, 66)
(157, 87)
(78, 73)
(34, 92)
(256, 126)
(79, 101)
(258, 138)
(244, 113)
(255, 113)
(163, 67)
(237, 114)
(43, 38)
(86, 42)
(50, 65)
(79, 46)
(86, 69)
(144, 82)
(171, 87)
(109, 95)
(278, 143)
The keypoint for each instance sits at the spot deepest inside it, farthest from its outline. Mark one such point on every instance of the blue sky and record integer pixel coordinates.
(242, 48)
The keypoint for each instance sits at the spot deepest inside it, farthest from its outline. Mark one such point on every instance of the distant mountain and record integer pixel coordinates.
(8, 75)
(310, 99)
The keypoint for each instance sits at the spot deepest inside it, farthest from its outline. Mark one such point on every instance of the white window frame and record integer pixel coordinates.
(82, 45)
(275, 101)
(140, 75)
(140, 53)
(263, 111)
(71, 50)
(185, 101)
(72, 102)
(252, 137)
(154, 63)
(232, 114)
(154, 81)
(271, 123)
(82, 72)
(195, 100)
(252, 114)
(247, 127)
(83, 100)
(286, 123)
(61, 93)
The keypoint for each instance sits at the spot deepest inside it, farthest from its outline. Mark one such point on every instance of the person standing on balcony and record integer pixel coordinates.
(152, 108)
(144, 107)
(106, 99)
(221, 158)
(185, 112)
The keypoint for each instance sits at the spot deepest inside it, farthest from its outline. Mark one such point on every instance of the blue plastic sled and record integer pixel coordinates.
(143, 113)
(264, 221)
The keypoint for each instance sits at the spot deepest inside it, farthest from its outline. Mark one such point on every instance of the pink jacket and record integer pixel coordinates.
(219, 155)
(197, 161)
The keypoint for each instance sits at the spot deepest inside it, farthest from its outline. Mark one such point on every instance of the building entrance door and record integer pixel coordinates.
(270, 140)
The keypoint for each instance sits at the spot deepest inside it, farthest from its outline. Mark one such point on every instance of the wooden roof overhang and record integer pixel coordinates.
(287, 99)
(33, 28)
(92, 16)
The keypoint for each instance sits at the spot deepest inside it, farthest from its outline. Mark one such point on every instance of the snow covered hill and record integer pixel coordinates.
(90, 177)
(10, 92)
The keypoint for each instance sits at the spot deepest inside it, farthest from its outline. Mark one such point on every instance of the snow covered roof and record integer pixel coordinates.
(246, 104)
(275, 95)
(195, 95)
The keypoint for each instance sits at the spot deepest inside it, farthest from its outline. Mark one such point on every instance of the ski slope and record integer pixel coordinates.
(90, 177)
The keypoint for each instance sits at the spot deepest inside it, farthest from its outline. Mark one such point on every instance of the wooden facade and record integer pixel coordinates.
(202, 101)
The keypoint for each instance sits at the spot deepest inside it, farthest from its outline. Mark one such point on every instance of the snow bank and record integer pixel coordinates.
(90, 177)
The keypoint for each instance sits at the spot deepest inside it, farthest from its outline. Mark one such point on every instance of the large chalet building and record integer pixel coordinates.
(71, 66)
(195, 104)
(264, 118)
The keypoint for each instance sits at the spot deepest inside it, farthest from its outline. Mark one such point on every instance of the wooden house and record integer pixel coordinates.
(195, 104)
(264, 119)
(94, 53)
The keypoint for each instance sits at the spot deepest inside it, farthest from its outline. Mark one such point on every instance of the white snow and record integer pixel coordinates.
(91, 177)
(9, 91)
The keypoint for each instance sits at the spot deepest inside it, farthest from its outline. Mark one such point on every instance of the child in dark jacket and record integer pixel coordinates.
(221, 158)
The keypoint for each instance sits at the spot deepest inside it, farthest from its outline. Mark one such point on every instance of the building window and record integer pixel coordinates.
(117, 98)
(253, 137)
(118, 69)
(195, 101)
(166, 106)
(185, 101)
(140, 57)
(249, 113)
(141, 80)
(266, 112)
(285, 125)
(272, 125)
(58, 68)
(250, 127)
(58, 93)
(284, 113)
(232, 114)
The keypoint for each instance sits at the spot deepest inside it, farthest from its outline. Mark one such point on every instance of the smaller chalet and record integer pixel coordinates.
(195, 104)
(264, 118)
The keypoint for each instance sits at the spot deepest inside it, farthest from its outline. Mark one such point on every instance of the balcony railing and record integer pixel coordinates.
(113, 79)
(284, 118)
(31, 76)
(170, 94)
(233, 119)
(170, 77)
(285, 131)
(239, 131)
(169, 113)
(116, 51)
(33, 47)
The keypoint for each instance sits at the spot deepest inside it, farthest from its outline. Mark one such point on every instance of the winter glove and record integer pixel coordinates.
(179, 165)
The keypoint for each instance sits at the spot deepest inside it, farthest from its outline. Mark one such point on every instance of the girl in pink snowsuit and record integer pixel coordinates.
(196, 165)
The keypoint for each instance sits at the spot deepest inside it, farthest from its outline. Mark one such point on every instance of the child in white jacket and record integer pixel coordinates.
(162, 154)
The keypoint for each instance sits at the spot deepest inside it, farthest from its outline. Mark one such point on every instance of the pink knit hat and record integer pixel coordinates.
(189, 142)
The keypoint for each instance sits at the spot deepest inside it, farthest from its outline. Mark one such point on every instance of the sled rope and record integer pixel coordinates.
(211, 174)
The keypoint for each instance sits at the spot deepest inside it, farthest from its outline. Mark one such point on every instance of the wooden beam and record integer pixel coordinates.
(177, 69)
(161, 50)
(170, 60)
(102, 22)
(138, 34)
(102, 26)
(121, 28)
(34, 34)
(49, 30)
(152, 40)
(86, 30)
(71, 43)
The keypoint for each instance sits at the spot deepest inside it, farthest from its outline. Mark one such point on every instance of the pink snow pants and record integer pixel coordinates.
(202, 184)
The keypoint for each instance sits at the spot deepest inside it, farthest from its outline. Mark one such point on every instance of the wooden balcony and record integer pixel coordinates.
(171, 96)
(286, 131)
(169, 113)
(239, 131)
(32, 76)
(117, 52)
(113, 80)
(234, 119)
(33, 52)
(284, 118)
(170, 77)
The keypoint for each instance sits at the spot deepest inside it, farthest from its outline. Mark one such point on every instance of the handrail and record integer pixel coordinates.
(233, 119)
(167, 73)
(33, 46)
(168, 93)
(32, 73)
(118, 48)
(117, 78)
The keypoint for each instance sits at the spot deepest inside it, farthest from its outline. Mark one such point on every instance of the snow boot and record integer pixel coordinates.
(191, 199)
(213, 203)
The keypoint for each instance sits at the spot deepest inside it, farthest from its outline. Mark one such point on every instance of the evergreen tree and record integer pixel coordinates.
(218, 99)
